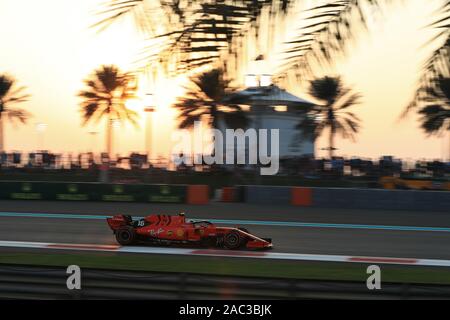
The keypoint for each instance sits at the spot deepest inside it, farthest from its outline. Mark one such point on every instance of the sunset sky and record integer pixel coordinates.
(47, 46)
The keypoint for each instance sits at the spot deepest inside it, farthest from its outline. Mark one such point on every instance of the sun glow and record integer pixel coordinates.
(134, 104)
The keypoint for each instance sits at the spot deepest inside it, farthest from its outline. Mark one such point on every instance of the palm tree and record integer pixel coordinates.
(438, 64)
(10, 95)
(192, 34)
(333, 113)
(205, 97)
(435, 112)
(107, 91)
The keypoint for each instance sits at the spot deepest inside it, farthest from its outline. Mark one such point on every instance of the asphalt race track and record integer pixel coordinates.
(399, 234)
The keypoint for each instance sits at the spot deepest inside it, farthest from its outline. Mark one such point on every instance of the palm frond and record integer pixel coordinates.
(191, 29)
(205, 97)
(330, 29)
(10, 94)
(188, 122)
(435, 119)
(89, 110)
(118, 9)
(19, 115)
(125, 114)
(438, 64)
(348, 100)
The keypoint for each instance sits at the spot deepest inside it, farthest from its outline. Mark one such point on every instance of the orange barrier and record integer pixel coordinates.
(197, 194)
(301, 196)
(228, 194)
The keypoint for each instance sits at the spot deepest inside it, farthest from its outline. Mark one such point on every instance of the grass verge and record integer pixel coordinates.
(231, 266)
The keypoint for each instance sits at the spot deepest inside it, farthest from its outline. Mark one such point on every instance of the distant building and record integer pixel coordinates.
(271, 107)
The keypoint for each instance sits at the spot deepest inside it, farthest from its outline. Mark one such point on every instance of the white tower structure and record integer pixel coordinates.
(271, 107)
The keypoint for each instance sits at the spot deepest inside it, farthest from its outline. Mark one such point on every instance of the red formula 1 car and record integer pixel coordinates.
(166, 229)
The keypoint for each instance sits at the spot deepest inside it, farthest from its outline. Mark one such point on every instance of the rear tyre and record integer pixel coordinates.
(126, 236)
(232, 240)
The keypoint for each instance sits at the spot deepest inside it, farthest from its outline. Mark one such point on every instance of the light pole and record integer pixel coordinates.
(260, 75)
(148, 109)
(2, 142)
(93, 135)
(330, 151)
(116, 126)
(40, 129)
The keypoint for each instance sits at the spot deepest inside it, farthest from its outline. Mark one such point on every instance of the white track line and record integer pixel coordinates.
(225, 253)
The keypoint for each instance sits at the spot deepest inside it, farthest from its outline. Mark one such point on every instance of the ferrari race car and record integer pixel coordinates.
(167, 230)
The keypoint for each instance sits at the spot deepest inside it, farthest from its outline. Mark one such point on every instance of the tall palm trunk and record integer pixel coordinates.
(109, 136)
(331, 120)
(448, 159)
(331, 143)
(2, 146)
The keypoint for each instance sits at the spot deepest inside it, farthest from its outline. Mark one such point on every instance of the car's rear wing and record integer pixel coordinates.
(118, 221)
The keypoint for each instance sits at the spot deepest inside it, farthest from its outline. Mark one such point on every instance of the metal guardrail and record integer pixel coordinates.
(41, 282)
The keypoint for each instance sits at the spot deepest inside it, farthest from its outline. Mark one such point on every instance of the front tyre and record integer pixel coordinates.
(126, 236)
(232, 240)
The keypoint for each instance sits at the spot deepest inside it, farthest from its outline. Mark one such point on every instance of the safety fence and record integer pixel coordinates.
(84, 191)
(346, 198)
(41, 282)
